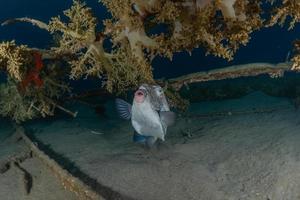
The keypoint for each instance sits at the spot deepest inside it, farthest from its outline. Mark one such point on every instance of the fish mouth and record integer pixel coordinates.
(140, 95)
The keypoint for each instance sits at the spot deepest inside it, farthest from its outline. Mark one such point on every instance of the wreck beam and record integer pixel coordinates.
(236, 71)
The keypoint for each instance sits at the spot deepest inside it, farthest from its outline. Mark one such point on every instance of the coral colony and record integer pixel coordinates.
(34, 87)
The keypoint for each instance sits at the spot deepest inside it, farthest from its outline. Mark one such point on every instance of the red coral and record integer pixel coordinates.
(38, 61)
(33, 76)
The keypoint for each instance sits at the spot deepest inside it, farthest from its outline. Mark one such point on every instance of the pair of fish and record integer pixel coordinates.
(150, 114)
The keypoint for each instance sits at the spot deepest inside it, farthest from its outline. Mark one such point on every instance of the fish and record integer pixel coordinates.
(149, 113)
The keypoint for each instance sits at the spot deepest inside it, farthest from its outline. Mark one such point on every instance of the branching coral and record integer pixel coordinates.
(219, 26)
(127, 25)
(118, 69)
(195, 23)
(296, 57)
(288, 8)
(14, 59)
(32, 88)
(23, 105)
(44, 99)
(122, 67)
(79, 32)
(237, 32)
(176, 101)
(127, 72)
(198, 23)
(13, 104)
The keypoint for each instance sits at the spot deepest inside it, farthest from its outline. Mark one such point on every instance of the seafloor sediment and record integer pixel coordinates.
(244, 148)
(23, 176)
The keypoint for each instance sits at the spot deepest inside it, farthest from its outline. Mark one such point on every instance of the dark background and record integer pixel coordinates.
(268, 45)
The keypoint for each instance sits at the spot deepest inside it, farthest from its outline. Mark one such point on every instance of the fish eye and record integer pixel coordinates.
(159, 91)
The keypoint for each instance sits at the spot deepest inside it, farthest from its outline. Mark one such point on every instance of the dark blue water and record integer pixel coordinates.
(267, 45)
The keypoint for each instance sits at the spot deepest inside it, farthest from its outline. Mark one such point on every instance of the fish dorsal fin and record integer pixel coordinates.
(167, 117)
(123, 108)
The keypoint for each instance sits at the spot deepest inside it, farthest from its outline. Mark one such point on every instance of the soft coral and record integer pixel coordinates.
(33, 76)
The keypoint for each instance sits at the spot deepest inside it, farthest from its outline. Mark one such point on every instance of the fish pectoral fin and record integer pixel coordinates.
(167, 117)
(138, 138)
(123, 108)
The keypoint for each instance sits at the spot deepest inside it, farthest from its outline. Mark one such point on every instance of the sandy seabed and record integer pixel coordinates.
(250, 152)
